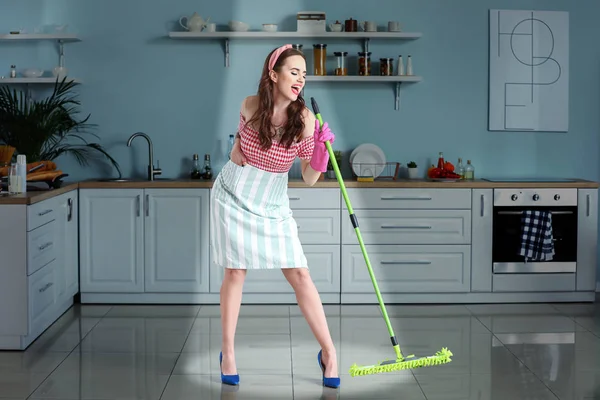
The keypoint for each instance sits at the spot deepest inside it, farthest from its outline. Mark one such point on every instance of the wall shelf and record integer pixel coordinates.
(64, 37)
(48, 80)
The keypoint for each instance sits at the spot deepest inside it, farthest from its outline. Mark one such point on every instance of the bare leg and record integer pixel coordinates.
(231, 299)
(312, 309)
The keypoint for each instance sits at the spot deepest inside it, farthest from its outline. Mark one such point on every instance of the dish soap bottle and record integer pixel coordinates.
(207, 173)
(460, 169)
(469, 171)
(195, 173)
(440, 163)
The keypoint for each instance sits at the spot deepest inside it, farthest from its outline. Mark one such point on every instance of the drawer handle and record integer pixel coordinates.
(44, 246)
(45, 287)
(44, 212)
(405, 227)
(420, 262)
(294, 198)
(405, 198)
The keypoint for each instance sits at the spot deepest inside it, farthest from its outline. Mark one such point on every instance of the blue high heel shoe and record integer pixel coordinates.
(329, 382)
(227, 379)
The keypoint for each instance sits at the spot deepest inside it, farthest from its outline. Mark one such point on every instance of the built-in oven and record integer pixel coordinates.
(508, 210)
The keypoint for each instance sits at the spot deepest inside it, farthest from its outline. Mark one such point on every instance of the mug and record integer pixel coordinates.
(393, 26)
(369, 26)
(212, 27)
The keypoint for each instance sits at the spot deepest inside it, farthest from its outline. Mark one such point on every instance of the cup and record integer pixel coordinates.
(212, 27)
(393, 26)
(369, 26)
(14, 186)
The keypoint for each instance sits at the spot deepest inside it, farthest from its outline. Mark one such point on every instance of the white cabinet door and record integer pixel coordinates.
(111, 240)
(587, 239)
(176, 240)
(481, 245)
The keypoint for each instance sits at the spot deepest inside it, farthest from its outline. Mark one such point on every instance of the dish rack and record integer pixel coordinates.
(389, 171)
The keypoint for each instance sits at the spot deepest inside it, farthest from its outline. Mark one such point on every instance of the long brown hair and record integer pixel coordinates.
(294, 125)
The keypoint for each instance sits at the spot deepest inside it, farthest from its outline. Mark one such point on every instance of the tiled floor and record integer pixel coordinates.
(504, 352)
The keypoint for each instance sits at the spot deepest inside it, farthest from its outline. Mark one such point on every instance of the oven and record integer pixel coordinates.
(508, 209)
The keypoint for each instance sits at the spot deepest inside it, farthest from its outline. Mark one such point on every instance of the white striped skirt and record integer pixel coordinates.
(251, 221)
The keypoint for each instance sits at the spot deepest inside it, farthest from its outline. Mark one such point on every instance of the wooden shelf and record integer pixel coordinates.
(358, 78)
(292, 34)
(14, 81)
(63, 37)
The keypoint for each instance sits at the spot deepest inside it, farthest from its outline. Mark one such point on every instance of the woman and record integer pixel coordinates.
(251, 222)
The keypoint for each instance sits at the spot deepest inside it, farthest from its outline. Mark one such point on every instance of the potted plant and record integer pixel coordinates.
(413, 170)
(338, 160)
(45, 129)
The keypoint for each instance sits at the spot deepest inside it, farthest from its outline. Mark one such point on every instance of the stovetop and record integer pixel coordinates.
(529, 179)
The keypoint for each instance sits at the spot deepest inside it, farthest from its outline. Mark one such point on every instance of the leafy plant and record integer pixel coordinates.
(412, 164)
(46, 129)
(338, 160)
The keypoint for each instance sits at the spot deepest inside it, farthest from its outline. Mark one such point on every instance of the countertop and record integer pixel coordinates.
(37, 196)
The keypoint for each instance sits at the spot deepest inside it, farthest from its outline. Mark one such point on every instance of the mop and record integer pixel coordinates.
(401, 362)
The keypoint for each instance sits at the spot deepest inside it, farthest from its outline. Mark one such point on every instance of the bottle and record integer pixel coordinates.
(409, 66)
(460, 169)
(469, 171)
(13, 71)
(231, 142)
(400, 65)
(207, 172)
(195, 173)
(440, 163)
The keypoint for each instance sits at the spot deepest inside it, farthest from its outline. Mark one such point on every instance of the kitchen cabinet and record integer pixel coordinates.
(39, 274)
(144, 241)
(481, 243)
(587, 239)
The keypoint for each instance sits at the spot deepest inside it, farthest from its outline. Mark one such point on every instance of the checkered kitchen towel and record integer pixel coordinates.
(537, 242)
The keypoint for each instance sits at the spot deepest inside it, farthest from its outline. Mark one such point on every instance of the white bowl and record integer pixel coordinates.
(32, 72)
(238, 26)
(269, 27)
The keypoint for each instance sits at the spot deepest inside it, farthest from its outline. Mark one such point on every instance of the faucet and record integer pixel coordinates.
(151, 170)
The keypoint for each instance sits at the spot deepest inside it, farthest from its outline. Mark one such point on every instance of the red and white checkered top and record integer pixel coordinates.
(277, 159)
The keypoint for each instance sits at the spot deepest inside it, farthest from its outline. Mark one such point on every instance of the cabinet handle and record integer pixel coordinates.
(587, 205)
(44, 212)
(44, 246)
(420, 262)
(45, 287)
(294, 198)
(137, 205)
(404, 198)
(405, 227)
(147, 205)
(482, 205)
(70, 205)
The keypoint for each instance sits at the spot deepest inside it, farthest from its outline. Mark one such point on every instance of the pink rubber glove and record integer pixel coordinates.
(320, 156)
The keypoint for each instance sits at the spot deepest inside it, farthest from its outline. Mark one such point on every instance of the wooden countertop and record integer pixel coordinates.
(37, 196)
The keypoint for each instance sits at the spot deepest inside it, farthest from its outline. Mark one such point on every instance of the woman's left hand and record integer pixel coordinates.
(320, 156)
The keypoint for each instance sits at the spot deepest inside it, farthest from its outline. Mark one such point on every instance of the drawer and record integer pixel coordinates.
(407, 269)
(42, 293)
(41, 247)
(410, 227)
(41, 213)
(422, 198)
(318, 226)
(314, 198)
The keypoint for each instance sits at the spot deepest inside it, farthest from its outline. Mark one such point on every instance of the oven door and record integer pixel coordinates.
(507, 232)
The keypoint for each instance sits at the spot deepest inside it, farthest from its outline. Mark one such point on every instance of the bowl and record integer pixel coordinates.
(32, 72)
(269, 27)
(238, 26)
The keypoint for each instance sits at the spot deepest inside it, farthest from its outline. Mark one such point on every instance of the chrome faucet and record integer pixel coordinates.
(151, 170)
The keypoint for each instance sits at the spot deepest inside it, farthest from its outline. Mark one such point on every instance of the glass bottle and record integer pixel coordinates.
(13, 71)
(386, 66)
(207, 171)
(364, 63)
(342, 68)
(400, 65)
(460, 169)
(440, 163)
(469, 171)
(320, 59)
(195, 173)
(409, 66)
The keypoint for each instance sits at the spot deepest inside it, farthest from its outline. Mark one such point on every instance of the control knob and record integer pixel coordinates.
(556, 197)
(514, 197)
(536, 197)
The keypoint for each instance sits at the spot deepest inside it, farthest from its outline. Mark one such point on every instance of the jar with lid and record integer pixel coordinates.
(386, 66)
(297, 46)
(320, 59)
(13, 71)
(195, 172)
(342, 67)
(364, 63)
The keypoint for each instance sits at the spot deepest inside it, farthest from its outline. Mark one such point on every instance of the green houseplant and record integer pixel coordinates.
(413, 170)
(45, 129)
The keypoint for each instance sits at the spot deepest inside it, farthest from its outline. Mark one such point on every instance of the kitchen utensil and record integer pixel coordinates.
(195, 23)
(336, 26)
(238, 26)
(369, 26)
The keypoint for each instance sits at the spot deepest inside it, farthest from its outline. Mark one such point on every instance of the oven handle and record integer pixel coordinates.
(521, 212)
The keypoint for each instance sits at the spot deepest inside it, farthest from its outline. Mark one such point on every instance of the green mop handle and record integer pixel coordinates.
(354, 221)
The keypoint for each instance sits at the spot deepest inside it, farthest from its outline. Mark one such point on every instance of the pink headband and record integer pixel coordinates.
(276, 55)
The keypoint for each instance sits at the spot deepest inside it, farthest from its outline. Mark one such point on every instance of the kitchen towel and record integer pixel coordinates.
(537, 242)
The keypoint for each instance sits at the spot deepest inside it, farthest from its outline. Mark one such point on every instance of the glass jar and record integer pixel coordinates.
(364, 63)
(342, 67)
(297, 46)
(386, 66)
(320, 59)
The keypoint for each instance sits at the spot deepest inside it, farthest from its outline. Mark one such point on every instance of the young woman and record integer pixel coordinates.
(251, 222)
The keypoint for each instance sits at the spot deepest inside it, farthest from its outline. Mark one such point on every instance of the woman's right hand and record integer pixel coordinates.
(237, 156)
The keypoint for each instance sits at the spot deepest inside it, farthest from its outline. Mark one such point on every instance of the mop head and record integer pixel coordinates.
(441, 357)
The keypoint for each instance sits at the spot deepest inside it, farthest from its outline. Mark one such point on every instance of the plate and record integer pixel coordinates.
(364, 155)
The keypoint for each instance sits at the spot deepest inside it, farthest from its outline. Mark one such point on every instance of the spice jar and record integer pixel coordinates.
(364, 63)
(342, 68)
(386, 66)
(320, 59)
